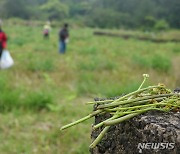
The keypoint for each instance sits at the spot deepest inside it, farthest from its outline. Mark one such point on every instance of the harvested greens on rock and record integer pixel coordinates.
(142, 100)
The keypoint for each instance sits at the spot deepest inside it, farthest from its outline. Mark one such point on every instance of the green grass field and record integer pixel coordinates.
(45, 90)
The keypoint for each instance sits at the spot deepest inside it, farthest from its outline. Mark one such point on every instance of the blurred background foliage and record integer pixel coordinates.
(143, 14)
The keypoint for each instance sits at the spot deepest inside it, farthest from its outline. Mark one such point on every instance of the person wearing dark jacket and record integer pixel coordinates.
(63, 38)
(3, 41)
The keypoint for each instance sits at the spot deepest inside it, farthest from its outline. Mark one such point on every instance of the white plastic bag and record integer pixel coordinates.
(6, 60)
(67, 40)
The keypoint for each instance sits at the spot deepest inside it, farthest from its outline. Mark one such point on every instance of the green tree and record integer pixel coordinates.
(161, 25)
(149, 23)
(54, 9)
(17, 8)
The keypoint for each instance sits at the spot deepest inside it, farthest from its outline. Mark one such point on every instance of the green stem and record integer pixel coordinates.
(145, 77)
(143, 102)
(99, 102)
(130, 115)
(136, 92)
(81, 120)
(113, 104)
(134, 107)
(102, 123)
(100, 136)
(121, 119)
(112, 122)
(142, 110)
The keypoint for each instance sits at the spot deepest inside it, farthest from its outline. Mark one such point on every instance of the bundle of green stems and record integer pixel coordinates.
(130, 105)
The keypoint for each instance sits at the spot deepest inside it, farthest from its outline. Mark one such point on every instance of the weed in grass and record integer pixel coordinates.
(86, 84)
(43, 47)
(161, 63)
(82, 148)
(120, 89)
(36, 64)
(34, 101)
(107, 64)
(176, 50)
(89, 66)
(3, 81)
(97, 63)
(18, 41)
(141, 61)
(38, 100)
(157, 62)
(91, 50)
(9, 98)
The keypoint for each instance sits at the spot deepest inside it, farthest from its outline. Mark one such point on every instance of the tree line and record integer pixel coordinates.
(145, 14)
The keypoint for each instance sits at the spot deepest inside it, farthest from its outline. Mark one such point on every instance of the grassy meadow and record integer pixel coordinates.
(45, 90)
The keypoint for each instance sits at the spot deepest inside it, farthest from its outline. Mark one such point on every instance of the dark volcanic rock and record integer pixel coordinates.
(152, 128)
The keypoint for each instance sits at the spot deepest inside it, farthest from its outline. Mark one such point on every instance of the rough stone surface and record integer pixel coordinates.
(152, 127)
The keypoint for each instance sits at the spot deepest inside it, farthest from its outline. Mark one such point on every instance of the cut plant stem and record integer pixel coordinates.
(136, 92)
(129, 106)
(115, 103)
(100, 102)
(143, 102)
(100, 136)
(102, 123)
(131, 114)
(137, 106)
(145, 78)
(142, 110)
(121, 119)
(81, 120)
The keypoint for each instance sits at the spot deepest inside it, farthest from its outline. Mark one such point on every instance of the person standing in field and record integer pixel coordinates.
(3, 39)
(63, 38)
(47, 29)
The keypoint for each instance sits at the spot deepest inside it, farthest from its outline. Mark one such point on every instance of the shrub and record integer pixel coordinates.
(149, 22)
(161, 25)
(97, 63)
(38, 100)
(161, 63)
(9, 98)
(176, 50)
